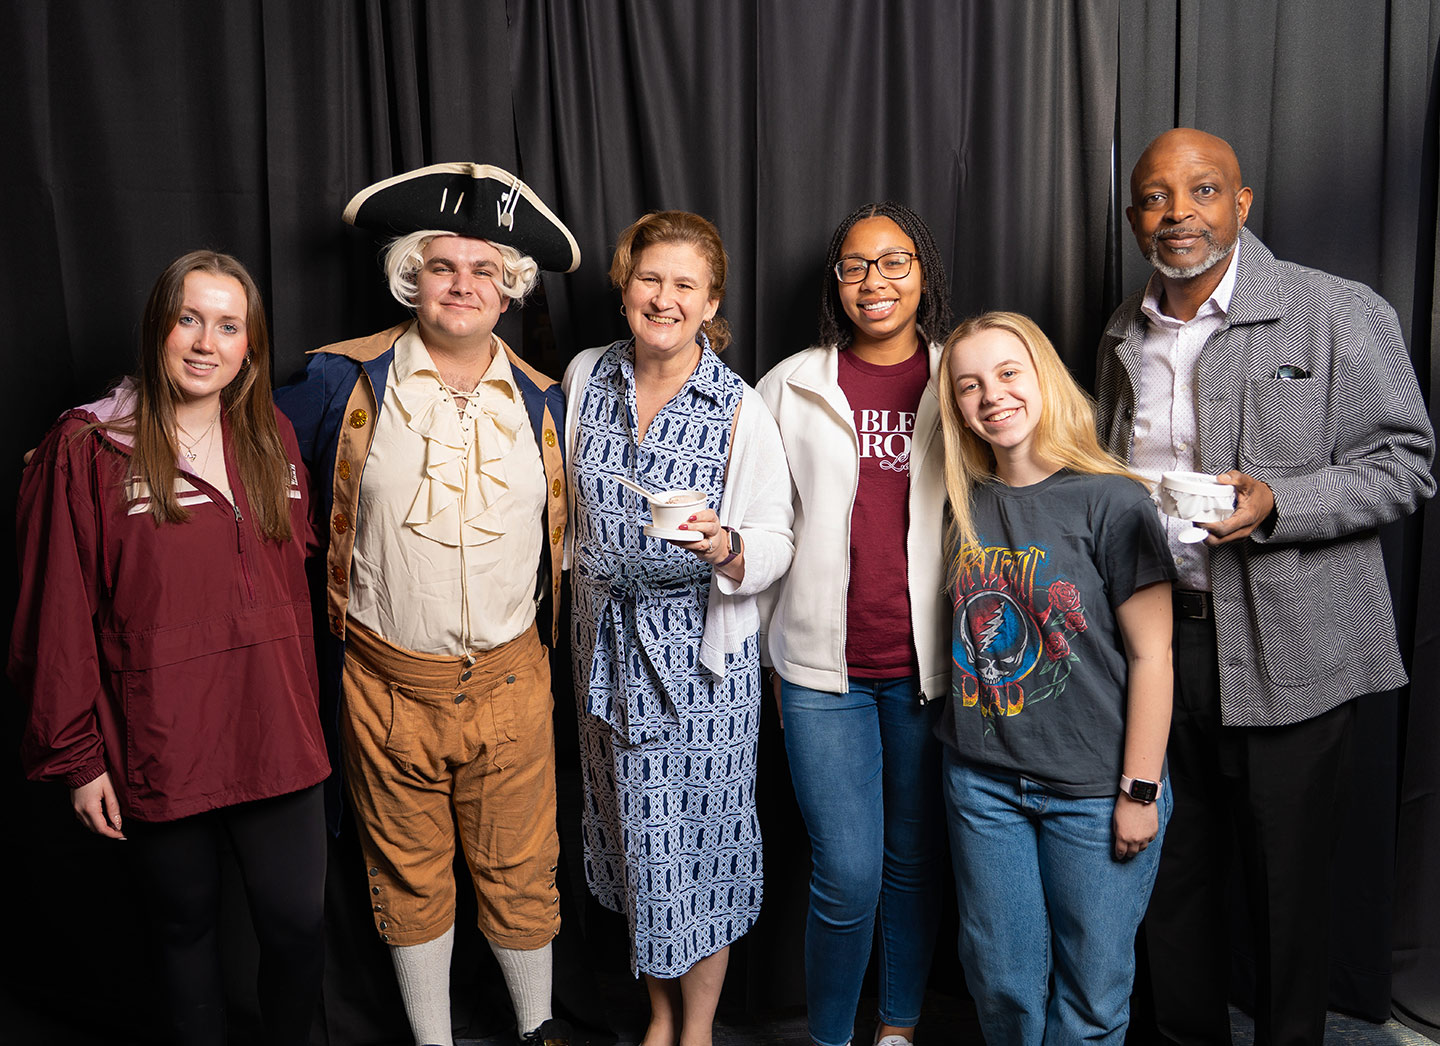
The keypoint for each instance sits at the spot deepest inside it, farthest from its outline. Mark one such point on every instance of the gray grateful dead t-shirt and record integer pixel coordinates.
(1039, 674)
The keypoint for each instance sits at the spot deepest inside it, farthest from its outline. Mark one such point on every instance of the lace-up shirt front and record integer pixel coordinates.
(452, 502)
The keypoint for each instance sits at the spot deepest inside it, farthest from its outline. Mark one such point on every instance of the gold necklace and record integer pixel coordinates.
(189, 449)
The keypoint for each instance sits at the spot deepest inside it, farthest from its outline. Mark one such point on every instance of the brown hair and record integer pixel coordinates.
(246, 402)
(677, 227)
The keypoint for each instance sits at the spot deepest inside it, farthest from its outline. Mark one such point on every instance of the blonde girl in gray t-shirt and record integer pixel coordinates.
(1061, 687)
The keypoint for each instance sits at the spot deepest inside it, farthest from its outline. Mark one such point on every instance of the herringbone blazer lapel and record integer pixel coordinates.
(1222, 372)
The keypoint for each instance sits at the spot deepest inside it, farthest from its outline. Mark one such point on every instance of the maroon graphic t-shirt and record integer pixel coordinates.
(883, 401)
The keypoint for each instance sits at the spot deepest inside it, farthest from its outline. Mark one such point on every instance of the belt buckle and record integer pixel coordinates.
(1192, 604)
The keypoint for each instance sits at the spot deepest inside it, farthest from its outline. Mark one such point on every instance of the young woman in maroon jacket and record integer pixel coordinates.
(163, 642)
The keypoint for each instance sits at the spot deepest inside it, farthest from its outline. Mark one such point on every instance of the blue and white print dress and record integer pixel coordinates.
(667, 750)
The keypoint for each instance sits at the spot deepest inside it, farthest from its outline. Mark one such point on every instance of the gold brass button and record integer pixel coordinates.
(337, 574)
(358, 418)
(556, 535)
(343, 470)
(549, 437)
(341, 522)
(556, 488)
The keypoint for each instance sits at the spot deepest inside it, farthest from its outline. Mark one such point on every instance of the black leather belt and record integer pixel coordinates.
(1193, 604)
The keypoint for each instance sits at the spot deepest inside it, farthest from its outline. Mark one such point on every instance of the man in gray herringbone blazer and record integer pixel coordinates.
(1294, 386)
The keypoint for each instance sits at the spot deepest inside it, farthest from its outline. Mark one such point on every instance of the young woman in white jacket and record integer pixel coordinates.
(859, 634)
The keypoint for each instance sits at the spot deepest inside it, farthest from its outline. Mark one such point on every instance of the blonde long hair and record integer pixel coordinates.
(1064, 436)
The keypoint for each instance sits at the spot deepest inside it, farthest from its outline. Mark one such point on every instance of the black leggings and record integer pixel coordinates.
(280, 846)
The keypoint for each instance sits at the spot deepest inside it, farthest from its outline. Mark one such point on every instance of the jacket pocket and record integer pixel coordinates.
(181, 729)
(1289, 597)
(1283, 424)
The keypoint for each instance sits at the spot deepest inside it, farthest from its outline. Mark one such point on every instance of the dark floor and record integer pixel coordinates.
(950, 1024)
(949, 1021)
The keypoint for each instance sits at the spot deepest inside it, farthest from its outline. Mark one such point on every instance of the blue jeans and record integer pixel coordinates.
(866, 770)
(1040, 891)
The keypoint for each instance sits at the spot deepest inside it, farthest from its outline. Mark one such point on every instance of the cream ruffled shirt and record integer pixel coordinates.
(450, 524)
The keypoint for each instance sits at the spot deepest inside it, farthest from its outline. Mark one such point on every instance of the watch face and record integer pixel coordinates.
(1144, 791)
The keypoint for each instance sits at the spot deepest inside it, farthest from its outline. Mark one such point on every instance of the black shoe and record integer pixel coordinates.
(553, 1032)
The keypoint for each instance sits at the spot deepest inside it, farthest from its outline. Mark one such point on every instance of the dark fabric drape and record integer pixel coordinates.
(775, 120)
(355, 92)
(607, 95)
(136, 131)
(1416, 955)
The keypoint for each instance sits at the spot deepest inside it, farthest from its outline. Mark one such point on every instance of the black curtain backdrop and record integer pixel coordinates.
(134, 131)
(776, 119)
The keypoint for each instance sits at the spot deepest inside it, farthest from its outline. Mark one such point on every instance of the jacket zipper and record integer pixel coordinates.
(920, 694)
(240, 550)
(845, 602)
(234, 507)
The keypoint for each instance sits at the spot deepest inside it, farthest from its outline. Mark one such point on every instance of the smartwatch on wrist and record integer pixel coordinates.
(1140, 790)
(737, 545)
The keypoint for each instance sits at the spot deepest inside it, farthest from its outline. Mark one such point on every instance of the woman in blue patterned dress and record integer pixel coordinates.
(664, 632)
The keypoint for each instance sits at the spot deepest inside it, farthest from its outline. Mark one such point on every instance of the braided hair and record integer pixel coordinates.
(933, 315)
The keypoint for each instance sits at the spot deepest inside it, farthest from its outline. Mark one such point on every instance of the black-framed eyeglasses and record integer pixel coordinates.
(893, 265)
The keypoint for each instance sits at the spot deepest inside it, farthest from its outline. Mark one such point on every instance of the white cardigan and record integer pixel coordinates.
(805, 636)
(756, 502)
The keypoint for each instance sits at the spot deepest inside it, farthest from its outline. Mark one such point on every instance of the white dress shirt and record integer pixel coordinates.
(1165, 436)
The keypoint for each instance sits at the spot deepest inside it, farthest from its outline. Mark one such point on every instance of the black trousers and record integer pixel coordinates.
(1276, 792)
(279, 844)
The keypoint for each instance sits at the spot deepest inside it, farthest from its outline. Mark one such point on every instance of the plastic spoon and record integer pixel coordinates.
(1193, 535)
(630, 484)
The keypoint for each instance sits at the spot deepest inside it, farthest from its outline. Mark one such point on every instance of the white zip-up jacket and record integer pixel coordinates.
(805, 636)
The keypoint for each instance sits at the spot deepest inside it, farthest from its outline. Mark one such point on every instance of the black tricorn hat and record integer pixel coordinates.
(467, 199)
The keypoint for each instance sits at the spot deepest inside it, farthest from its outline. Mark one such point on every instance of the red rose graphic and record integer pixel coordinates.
(1075, 621)
(1057, 647)
(1064, 597)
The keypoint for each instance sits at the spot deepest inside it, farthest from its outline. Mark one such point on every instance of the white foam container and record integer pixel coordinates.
(670, 508)
(1195, 496)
